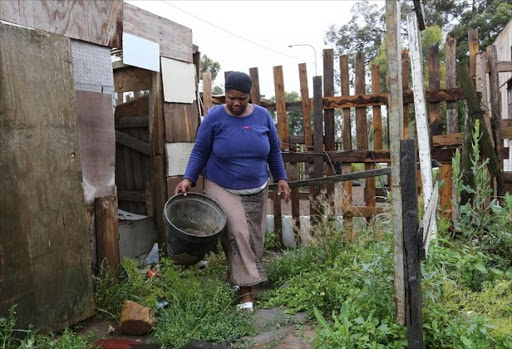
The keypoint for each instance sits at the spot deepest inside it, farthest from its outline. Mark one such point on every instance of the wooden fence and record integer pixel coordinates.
(313, 154)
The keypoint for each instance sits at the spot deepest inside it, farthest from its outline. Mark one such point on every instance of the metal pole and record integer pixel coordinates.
(314, 51)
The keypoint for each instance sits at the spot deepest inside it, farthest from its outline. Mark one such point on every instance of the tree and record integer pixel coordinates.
(295, 120)
(488, 16)
(209, 65)
(366, 30)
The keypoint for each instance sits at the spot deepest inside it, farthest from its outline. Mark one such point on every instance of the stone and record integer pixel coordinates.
(135, 319)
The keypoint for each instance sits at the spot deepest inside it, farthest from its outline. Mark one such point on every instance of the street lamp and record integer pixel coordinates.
(314, 51)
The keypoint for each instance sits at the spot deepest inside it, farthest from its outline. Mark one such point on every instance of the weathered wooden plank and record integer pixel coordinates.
(495, 99)
(504, 67)
(345, 92)
(481, 86)
(453, 139)
(181, 122)
(435, 123)
(131, 78)
(97, 22)
(405, 85)
(174, 39)
(475, 113)
(452, 120)
(328, 80)
(422, 126)
(158, 158)
(347, 145)
(318, 165)
(132, 195)
(43, 224)
(255, 90)
(282, 122)
(365, 100)
(411, 244)
(107, 232)
(133, 143)
(306, 105)
(506, 132)
(360, 88)
(337, 178)
(329, 126)
(393, 48)
(131, 122)
(207, 92)
(135, 107)
(474, 48)
(446, 191)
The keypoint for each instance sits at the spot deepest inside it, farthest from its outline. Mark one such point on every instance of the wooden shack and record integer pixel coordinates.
(71, 149)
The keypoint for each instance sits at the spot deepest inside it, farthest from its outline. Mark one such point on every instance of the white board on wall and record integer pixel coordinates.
(140, 52)
(179, 81)
(177, 157)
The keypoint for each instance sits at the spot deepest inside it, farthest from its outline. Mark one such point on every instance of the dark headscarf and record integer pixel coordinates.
(238, 81)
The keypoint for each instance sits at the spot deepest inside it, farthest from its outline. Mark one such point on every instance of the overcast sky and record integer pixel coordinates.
(245, 34)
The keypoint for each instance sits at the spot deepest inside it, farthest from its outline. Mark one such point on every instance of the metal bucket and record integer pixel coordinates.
(192, 225)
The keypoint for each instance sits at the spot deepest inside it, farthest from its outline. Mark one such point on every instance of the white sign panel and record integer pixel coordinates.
(140, 52)
(179, 81)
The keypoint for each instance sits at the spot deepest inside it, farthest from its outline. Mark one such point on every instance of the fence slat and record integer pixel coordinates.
(255, 90)
(306, 105)
(347, 145)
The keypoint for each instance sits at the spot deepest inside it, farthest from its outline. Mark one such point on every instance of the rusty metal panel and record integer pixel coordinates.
(44, 245)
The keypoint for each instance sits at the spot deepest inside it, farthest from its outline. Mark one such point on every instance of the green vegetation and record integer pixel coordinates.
(344, 284)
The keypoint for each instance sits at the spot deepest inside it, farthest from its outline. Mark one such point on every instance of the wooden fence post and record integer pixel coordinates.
(395, 107)
(318, 144)
(107, 231)
(411, 245)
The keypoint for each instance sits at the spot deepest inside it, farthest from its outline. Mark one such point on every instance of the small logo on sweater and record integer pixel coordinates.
(246, 127)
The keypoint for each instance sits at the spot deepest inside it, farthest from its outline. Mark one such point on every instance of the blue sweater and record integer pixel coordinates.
(234, 151)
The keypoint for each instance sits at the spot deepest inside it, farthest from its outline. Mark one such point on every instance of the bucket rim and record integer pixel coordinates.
(204, 197)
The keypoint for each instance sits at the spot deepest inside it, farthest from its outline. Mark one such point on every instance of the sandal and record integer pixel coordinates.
(246, 307)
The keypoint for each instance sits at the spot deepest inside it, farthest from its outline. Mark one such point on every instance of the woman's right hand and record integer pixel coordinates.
(183, 187)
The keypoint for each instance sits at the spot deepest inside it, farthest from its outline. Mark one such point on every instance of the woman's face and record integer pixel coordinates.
(237, 101)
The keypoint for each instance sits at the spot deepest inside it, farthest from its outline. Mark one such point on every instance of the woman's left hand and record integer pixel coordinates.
(282, 187)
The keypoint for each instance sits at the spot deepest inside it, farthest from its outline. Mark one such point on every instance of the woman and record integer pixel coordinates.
(235, 146)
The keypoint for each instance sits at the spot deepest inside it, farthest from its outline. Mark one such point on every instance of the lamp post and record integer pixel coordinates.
(314, 51)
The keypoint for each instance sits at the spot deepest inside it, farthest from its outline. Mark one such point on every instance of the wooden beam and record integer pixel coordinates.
(329, 126)
(337, 178)
(107, 232)
(133, 143)
(255, 90)
(395, 108)
(503, 67)
(158, 157)
(282, 122)
(411, 245)
(452, 119)
(318, 146)
(454, 139)
(495, 99)
(474, 48)
(306, 105)
(422, 125)
(131, 121)
(434, 108)
(347, 145)
(405, 83)
(131, 79)
(132, 195)
(475, 113)
(207, 92)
